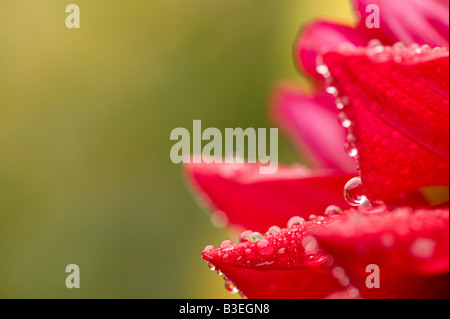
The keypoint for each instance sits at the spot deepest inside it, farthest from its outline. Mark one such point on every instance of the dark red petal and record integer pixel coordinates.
(414, 21)
(411, 249)
(319, 36)
(311, 121)
(283, 264)
(399, 109)
(254, 201)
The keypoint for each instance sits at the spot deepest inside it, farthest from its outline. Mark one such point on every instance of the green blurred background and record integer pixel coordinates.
(85, 118)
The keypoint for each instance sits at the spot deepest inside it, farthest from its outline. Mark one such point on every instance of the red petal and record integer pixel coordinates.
(283, 264)
(254, 201)
(415, 21)
(312, 124)
(411, 249)
(399, 109)
(319, 36)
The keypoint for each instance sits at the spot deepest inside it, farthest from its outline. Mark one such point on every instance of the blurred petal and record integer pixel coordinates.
(413, 21)
(320, 36)
(256, 202)
(283, 264)
(399, 101)
(312, 123)
(410, 248)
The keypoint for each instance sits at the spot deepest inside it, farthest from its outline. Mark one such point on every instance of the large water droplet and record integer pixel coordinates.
(354, 193)
(295, 221)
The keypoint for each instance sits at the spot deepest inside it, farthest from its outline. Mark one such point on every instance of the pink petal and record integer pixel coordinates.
(256, 202)
(413, 21)
(399, 111)
(312, 124)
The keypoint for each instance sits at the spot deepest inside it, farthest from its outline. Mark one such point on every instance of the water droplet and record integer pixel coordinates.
(332, 90)
(341, 102)
(209, 248)
(332, 209)
(227, 244)
(374, 47)
(274, 230)
(354, 193)
(211, 267)
(344, 120)
(312, 216)
(230, 286)
(264, 247)
(243, 237)
(295, 221)
(322, 69)
(350, 149)
(255, 236)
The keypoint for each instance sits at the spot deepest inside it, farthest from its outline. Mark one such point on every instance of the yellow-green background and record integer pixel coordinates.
(85, 118)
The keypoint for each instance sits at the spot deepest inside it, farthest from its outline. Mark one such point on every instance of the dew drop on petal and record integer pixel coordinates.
(211, 267)
(374, 47)
(332, 209)
(332, 90)
(227, 244)
(344, 120)
(341, 102)
(353, 192)
(350, 149)
(255, 236)
(322, 69)
(264, 247)
(273, 230)
(295, 221)
(243, 237)
(229, 285)
(208, 248)
(312, 216)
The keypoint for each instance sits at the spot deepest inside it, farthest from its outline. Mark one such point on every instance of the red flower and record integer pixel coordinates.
(393, 102)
